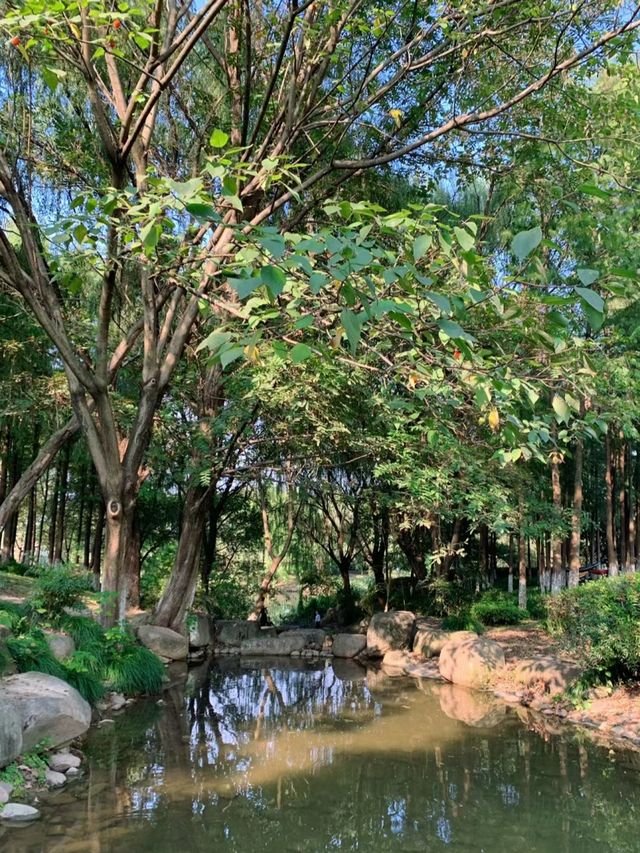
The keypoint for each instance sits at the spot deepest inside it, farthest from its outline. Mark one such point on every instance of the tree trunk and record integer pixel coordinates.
(557, 569)
(608, 480)
(621, 481)
(179, 592)
(62, 505)
(510, 575)
(96, 552)
(522, 563)
(576, 516)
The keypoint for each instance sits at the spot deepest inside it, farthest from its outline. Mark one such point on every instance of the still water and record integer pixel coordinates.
(250, 757)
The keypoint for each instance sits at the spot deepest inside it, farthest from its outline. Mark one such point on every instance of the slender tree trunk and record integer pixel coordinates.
(522, 562)
(510, 574)
(608, 480)
(557, 569)
(177, 598)
(81, 511)
(621, 482)
(86, 551)
(576, 515)
(96, 552)
(43, 515)
(62, 505)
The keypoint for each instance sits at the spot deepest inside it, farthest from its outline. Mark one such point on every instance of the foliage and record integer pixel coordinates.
(462, 621)
(35, 760)
(602, 620)
(57, 589)
(495, 607)
(130, 667)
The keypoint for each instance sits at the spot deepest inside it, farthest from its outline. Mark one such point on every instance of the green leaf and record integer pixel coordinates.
(300, 353)
(244, 286)
(317, 281)
(591, 298)
(203, 212)
(591, 189)
(150, 235)
(274, 278)
(441, 301)
(560, 408)
(525, 242)
(353, 327)
(587, 276)
(454, 330)
(421, 246)
(214, 341)
(230, 355)
(466, 240)
(218, 139)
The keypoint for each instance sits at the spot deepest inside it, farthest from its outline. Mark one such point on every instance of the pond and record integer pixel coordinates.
(262, 756)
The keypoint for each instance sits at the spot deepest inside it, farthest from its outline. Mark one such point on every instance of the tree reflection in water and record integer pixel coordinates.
(265, 756)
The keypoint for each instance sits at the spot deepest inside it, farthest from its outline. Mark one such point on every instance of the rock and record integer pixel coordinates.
(347, 669)
(4, 796)
(348, 645)
(470, 661)
(200, 635)
(470, 707)
(423, 670)
(233, 632)
(428, 642)
(390, 631)
(54, 779)
(10, 731)
(268, 631)
(6, 788)
(7, 663)
(284, 644)
(63, 761)
(555, 674)
(164, 642)
(60, 645)
(313, 637)
(48, 707)
(19, 812)
(396, 662)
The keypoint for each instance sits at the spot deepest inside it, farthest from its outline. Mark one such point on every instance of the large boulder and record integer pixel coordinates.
(231, 632)
(470, 706)
(428, 642)
(164, 642)
(61, 646)
(392, 631)
(200, 634)
(48, 708)
(396, 662)
(10, 731)
(313, 637)
(470, 661)
(348, 645)
(284, 644)
(555, 674)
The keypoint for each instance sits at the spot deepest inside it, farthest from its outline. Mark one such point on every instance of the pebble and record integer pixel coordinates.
(19, 812)
(55, 779)
(62, 761)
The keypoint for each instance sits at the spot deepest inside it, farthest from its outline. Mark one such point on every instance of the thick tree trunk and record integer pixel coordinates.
(576, 515)
(612, 555)
(557, 569)
(412, 542)
(179, 592)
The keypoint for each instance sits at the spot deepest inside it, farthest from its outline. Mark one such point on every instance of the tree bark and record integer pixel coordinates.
(576, 515)
(62, 505)
(522, 562)
(612, 555)
(557, 569)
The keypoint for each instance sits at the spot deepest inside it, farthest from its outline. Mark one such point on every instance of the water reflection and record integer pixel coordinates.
(254, 756)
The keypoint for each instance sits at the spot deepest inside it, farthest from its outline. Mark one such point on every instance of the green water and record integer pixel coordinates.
(258, 757)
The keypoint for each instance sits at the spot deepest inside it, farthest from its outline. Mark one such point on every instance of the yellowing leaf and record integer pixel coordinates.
(397, 116)
(252, 353)
(494, 419)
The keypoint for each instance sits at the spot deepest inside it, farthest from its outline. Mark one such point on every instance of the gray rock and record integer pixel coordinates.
(555, 674)
(55, 779)
(72, 772)
(233, 632)
(396, 662)
(63, 761)
(19, 812)
(392, 631)
(6, 788)
(61, 645)
(48, 707)
(285, 644)
(428, 642)
(348, 645)
(164, 642)
(4, 796)
(312, 636)
(10, 731)
(200, 634)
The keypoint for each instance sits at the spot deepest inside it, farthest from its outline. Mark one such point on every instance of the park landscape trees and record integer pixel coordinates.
(225, 332)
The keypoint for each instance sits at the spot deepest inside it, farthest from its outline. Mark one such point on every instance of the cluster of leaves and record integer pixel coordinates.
(495, 607)
(35, 761)
(602, 619)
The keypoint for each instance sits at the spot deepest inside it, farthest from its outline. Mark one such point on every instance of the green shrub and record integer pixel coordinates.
(462, 621)
(129, 667)
(83, 671)
(536, 603)
(497, 608)
(56, 589)
(32, 654)
(601, 620)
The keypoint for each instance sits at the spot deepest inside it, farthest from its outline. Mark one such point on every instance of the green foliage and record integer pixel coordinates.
(57, 589)
(602, 620)
(32, 654)
(229, 597)
(462, 621)
(129, 667)
(35, 760)
(497, 608)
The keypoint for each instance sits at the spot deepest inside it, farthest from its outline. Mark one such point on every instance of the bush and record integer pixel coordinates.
(130, 667)
(57, 588)
(537, 603)
(462, 621)
(497, 608)
(601, 619)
